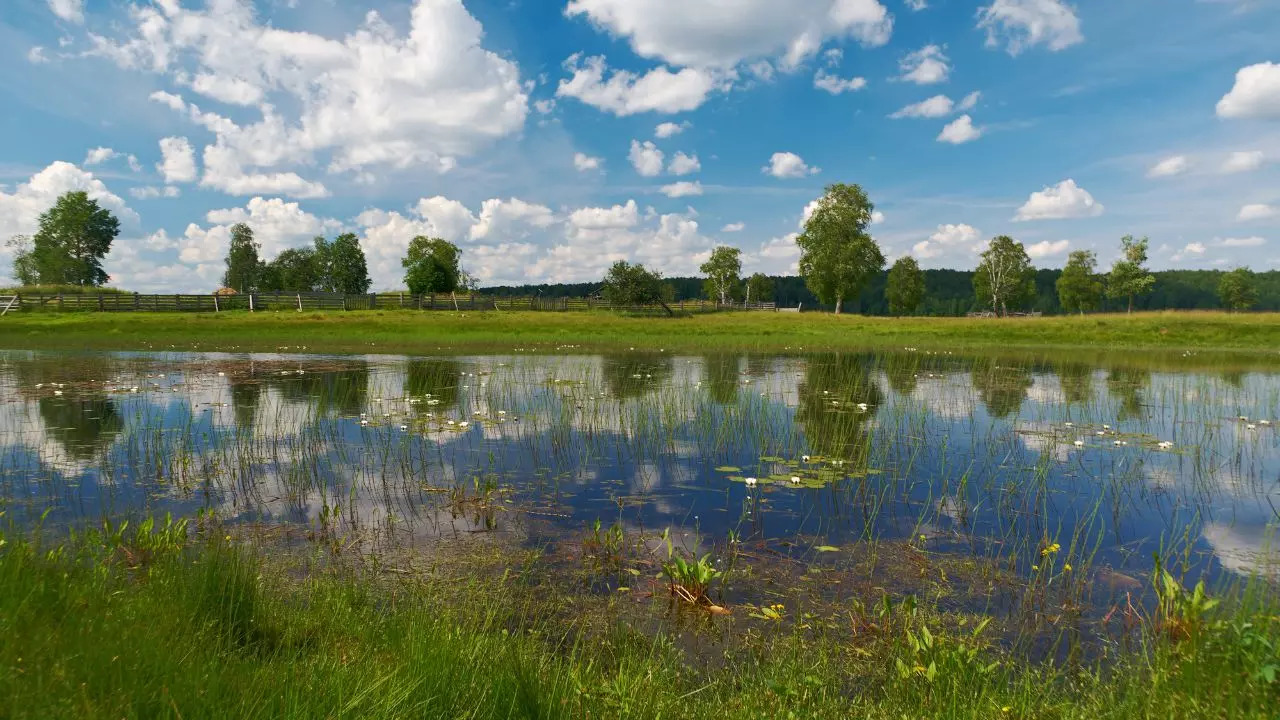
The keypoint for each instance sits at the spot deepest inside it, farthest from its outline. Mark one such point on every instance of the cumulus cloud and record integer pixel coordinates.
(783, 165)
(583, 162)
(835, 84)
(1022, 24)
(1191, 250)
(625, 93)
(959, 131)
(21, 209)
(925, 66)
(670, 129)
(69, 10)
(1047, 248)
(1240, 242)
(646, 158)
(733, 227)
(916, 5)
(150, 192)
(276, 224)
(372, 98)
(1256, 93)
(1256, 211)
(1243, 161)
(1169, 166)
(969, 101)
(99, 155)
(1064, 200)
(682, 164)
(945, 238)
(178, 163)
(705, 35)
(682, 189)
(936, 106)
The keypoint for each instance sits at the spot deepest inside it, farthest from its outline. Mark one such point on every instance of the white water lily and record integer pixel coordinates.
(795, 478)
(750, 482)
(804, 458)
(1079, 443)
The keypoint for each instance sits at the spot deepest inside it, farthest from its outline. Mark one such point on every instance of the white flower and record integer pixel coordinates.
(804, 458)
(750, 482)
(795, 478)
(1079, 443)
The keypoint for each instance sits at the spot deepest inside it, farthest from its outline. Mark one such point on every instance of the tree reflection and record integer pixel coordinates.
(829, 397)
(720, 376)
(902, 370)
(82, 426)
(635, 375)
(1076, 380)
(437, 377)
(1002, 387)
(1126, 385)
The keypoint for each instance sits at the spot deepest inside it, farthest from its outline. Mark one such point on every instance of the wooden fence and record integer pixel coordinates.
(275, 301)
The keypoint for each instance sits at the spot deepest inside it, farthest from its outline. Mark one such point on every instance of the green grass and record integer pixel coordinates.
(417, 332)
(153, 624)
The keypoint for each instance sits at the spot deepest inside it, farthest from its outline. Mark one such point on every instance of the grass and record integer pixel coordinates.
(156, 622)
(416, 332)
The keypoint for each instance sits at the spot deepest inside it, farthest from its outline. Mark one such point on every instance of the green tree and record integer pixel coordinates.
(1238, 289)
(74, 236)
(294, 270)
(627, 284)
(1004, 277)
(724, 271)
(1129, 276)
(905, 286)
(431, 266)
(347, 269)
(243, 265)
(837, 255)
(24, 262)
(1079, 287)
(759, 288)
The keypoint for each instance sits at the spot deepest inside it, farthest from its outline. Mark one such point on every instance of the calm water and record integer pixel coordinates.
(984, 456)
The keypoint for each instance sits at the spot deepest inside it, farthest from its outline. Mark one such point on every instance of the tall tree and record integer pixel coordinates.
(837, 255)
(627, 284)
(1238, 289)
(759, 288)
(1129, 276)
(724, 271)
(243, 264)
(431, 266)
(74, 236)
(24, 262)
(348, 271)
(1004, 277)
(1079, 287)
(296, 270)
(904, 288)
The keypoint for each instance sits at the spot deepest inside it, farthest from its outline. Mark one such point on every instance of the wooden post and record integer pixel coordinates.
(215, 303)
(99, 302)
(401, 301)
(137, 301)
(299, 302)
(250, 302)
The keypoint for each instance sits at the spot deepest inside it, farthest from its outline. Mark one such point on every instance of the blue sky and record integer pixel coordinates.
(551, 138)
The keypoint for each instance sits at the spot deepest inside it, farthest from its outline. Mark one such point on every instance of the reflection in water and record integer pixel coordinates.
(986, 455)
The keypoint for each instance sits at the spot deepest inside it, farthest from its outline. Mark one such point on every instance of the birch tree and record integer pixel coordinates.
(723, 270)
(837, 255)
(1005, 276)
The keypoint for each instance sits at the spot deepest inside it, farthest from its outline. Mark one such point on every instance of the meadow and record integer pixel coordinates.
(197, 530)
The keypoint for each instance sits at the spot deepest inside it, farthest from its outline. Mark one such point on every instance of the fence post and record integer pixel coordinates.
(250, 302)
(137, 301)
(433, 301)
(299, 302)
(344, 301)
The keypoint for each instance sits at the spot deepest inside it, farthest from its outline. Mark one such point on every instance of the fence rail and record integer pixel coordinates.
(309, 301)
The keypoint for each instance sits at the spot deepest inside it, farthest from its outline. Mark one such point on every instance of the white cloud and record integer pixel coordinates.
(583, 162)
(646, 158)
(925, 66)
(21, 209)
(276, 224)
(1243, 161)
(784, 165)
(510, 218)
(835, 84)
(612, 218)
(682, 189)
(682, 164)
(877, 217)
(36, 55)
(1241, 242)
(733, 227)
(178, 162)
(626, 93)
(69, 10)
(670, 129)
(1022, 24)
(1256, 211)
(372, 98)
(99, 155)
(1064, 200)
(945, 238)
(1047, 248)
(959, 131)
(970, 101)
(916, 5)
(936, 106)
(1191, 250)
(442, 217)
(704, 34)
(151, 192)
(1256, 93)
(544, 106)
(1168, 167)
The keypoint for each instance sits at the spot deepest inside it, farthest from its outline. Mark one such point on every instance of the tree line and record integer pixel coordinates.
(840, 265)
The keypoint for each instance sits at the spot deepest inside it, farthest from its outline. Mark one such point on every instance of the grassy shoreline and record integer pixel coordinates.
(394, 331)
(159, 622)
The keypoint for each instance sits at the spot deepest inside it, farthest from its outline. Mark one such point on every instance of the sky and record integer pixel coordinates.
(550, 138)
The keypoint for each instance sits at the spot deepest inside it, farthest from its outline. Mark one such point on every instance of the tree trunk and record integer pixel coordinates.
(839, 302)
(1130, 304)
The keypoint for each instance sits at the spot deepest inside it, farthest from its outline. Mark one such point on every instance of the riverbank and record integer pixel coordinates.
(395, 331)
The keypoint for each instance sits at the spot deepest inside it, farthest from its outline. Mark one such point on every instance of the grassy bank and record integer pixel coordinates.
(160, 623)
(416, 332)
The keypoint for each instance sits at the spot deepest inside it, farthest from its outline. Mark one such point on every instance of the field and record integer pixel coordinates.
(415, 332)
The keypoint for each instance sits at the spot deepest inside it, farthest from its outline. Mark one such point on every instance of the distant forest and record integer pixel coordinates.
(950, 292)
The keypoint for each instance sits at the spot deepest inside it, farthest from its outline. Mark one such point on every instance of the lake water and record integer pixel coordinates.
(800, 457)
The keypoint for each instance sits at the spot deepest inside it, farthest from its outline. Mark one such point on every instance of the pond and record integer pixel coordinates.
(1035, 481)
